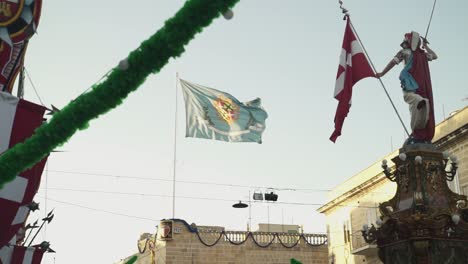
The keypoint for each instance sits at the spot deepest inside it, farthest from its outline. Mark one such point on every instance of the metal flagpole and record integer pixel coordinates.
(381, 82)
(250, 213)
(45, 196)
(430, 19)
(175, 148)
(20, 93)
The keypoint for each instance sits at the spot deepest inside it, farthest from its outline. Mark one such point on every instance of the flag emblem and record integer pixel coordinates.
(227, 109)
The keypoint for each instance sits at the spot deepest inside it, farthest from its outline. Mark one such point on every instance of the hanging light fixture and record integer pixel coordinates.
(271, 197)
(240, 205)
(258, 196)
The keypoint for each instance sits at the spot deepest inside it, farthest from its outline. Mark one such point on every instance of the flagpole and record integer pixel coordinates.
(175, 148)
(430, 19)
(381, 82)
(45, 196)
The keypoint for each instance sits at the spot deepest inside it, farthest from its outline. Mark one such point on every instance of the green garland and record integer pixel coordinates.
(149, 58)
(132, 260)
(294, 261)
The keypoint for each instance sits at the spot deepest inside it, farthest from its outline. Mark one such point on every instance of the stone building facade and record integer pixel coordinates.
(354, 202)
(213, 245)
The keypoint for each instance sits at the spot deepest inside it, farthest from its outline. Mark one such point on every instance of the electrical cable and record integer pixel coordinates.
(305, 190)
(190, 182)
(100, 210)
(33, 86)
(195, 198)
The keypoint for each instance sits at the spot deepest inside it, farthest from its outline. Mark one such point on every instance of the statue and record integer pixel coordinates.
(416, 83)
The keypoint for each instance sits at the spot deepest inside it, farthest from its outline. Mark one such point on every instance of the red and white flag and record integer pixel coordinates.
(18, 120)
(353, 67)
(20, 255)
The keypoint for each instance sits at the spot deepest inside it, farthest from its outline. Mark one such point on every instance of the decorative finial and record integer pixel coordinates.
(343, 10)
(33, 206)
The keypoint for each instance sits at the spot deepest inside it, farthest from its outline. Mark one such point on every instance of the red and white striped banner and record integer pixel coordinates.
(20, 255)
(18, 120)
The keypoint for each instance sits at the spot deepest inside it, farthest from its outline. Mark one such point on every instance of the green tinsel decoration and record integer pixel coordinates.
(132, 260)
(294, 261)
(149, 58)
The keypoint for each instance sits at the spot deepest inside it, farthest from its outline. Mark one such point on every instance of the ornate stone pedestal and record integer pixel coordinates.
(425, 221)
(434, 251)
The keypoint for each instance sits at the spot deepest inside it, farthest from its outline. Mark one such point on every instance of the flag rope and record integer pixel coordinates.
(381, 82)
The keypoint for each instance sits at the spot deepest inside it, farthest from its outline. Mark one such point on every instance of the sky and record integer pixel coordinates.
(285, 52)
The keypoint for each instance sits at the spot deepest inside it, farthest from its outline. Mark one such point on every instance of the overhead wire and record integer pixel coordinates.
(33, 86)
(100, 210)
(98, 81)
(37, 93)
(190, 182)
(306, 190)
(197, 198)
(142, 218)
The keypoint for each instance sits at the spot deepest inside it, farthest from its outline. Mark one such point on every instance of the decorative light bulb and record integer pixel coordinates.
(445, 154)
(456, 219)
(228, 14)
(365, 227)
(378, 222)
(454, 158)
(384, 162)
(402, 156)
(123, 65)
(418, 159)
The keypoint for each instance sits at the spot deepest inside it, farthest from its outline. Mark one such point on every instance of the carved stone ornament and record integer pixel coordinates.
(424, 215)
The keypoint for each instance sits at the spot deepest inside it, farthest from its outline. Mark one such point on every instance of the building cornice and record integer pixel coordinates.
(353, 192)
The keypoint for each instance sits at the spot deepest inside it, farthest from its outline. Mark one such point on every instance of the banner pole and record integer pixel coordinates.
(174, 165)
(381, 82)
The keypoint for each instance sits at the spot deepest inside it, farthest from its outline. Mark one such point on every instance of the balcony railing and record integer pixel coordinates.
(261, 239)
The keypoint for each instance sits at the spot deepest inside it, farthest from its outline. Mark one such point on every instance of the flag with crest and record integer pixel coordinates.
(217, 115)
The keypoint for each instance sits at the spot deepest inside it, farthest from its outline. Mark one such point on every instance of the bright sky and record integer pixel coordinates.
(285, 52)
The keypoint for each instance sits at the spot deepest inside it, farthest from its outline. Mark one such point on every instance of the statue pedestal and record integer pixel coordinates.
(425, 222)
(430, 251)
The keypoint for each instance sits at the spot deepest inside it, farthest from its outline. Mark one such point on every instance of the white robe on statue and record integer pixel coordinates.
(419, 117)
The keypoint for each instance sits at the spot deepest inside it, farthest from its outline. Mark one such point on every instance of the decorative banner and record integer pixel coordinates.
(150, 57)
(18, 119)
(18, 22)
(21, 255)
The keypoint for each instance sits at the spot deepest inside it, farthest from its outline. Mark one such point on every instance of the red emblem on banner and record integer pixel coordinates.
(10, 10)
